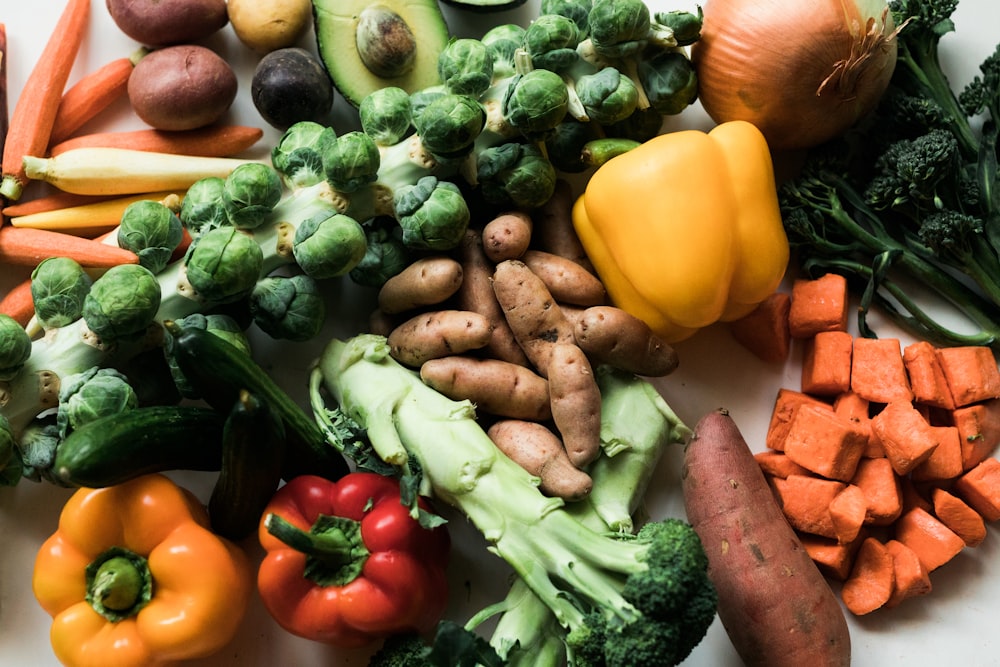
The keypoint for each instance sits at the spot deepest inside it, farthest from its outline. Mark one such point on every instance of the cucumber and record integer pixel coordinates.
(217, 371)
(253, 446)
(114, 449)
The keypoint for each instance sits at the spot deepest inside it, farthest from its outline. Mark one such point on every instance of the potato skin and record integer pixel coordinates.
(158, 23)
(776, 606)
(268, 25)
(498, 387)
(610, 335)
(426, 282)
(438, 334)
(181, 87)
(539, 451)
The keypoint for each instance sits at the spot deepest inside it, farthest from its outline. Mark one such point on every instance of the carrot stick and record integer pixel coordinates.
(55, 201)
(88, 219)
(211, 141)
(18, 303)
(24, 246)
(36, 108)
(92, 94)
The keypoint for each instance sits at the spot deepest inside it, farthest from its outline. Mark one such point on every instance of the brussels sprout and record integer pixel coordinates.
(327, 246)
(298, 155)
(58, 288)
(386, 116)
(535, 102)
(466, 67)
(449, 124)
(15, 347)
(122, 303)
(351, 161)
(223, 264)
(288, 307)
(619, 28)
(37, 446)
(386, 254)
(202, 206)
(670, 82)
(419, 99)
(685, 26)
(251, 191)
(551, 41)
(223, 326)
(607, 95)
(516, 175)
(11, 467)
(641, 126)
(565, 145)
(433, 214)
(94, 393)
(576, 10)
(503, 41)
(152, 231)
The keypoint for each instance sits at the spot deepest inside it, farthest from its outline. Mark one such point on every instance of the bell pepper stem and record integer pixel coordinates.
(334, 548)
(119, 584)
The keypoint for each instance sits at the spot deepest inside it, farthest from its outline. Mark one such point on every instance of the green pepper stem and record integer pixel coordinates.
(119, 584)
(335, 551)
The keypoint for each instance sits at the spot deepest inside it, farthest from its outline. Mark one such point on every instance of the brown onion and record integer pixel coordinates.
(802, 72)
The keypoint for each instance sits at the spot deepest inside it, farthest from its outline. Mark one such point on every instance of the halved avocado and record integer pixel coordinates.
(368, 45)
(485, 6)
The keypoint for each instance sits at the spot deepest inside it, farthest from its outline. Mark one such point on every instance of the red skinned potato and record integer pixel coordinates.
(164, 22)
(774, 603)
(181, 87)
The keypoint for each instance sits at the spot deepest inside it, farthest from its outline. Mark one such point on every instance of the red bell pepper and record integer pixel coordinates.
(347, 564)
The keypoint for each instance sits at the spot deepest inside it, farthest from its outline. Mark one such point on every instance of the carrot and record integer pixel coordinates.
(978, 430)
(934, 543)
(575, 401)
(495, 386)
(882, 490)
(927, 379)
(971, 372)
(857, 410)
(980, 488)
(908, 438)
(36, 108)
(847, 511)
(872, 579)
(826, 363)
(805, 501)
(18, 303)
(966, 522)
(877, 370)
(211, 141)
(818, 304)
(764, 330)
(52, 201)
(90, 218)
(834, 559)
(774, 603)
(822, 441)
(911, 577)
(27, 247)
(945, 462)
(93, 93)
(786, 402)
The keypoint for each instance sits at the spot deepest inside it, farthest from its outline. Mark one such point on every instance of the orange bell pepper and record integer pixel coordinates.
(134, 577)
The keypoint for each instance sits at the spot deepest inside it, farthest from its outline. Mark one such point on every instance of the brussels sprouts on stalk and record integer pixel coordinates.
(551, 41)
(564, 146)
(298, 155)
(419, 99)
(223, 326)
(37, 446)
(351, 161)
(152, 231)
(15, 347)
(607, 95)
(465, 66)
(516, 175)
(96, 392)
(535, 102)
(685, 26)
(122, 303)
(222, 265)
(577, 10)
(386, 115)
(449, 125)
(11, 467)
(202, 207)
(432, 213)
(619, 28)
(327, 246)
(670, 82)
(386, 255)
(288, 307)
(58, 288)
(251, 190)
(503, 41)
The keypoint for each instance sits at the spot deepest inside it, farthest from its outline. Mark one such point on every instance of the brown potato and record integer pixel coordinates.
(426, 282)
(567, 281)
(507, 236)
(269, 25)
(612, 336)
(575, 400)
(538, 450)
(552, 229)
(156, 23)
(497, 387)
(181, 87)
(436, 334)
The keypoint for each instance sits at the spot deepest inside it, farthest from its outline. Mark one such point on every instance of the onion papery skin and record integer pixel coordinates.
(774, 63)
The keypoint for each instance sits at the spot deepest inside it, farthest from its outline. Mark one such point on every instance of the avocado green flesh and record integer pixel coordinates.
(335, 24)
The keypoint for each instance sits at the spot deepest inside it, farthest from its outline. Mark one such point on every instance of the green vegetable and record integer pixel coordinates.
(249, 193)
(911, 195)
(465, 67)
(351, 161)
(385, 253)
(432, 214)
(58, 288)
(11, 465)
(15, 347)
(122, 303)
(607, 96)
(152, 231)
(288, 307)
(202, 207)
(640, 600)
(298, 155)
(92, 394)
(221, 265)
(386, 115)
(219, 324)
(327, 246)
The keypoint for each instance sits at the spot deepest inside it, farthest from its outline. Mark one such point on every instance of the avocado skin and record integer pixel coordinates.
(335, 24)
(484, 6)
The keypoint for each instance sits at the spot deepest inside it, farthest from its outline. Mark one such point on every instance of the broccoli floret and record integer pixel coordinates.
(453, 646)
(403, 650)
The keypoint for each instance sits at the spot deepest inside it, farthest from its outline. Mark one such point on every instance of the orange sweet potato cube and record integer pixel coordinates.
(945, 462)
(785, 404)
(882, 490)
(927, 379)
(971, 372)
(934, 542)
(877, 371)
(826, 363)
(818, 304)
(825, 443)
(777, 464)
(834, 559)
(980, 489)
(978, 430)
(907, 437)
(764, 330)
(912, 578)
(855, 408)
(805, 501)
(966, 522)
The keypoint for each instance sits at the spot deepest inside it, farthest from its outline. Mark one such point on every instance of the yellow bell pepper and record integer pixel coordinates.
(134, 577)
(685, 230)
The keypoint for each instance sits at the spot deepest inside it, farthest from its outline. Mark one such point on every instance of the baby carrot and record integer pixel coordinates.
(211, 141)
(18, 303)
(36, 108)
(54, 201)
(24, 246)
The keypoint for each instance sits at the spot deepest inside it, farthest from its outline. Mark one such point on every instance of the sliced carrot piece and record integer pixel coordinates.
(934, 542)
(877, 371)
(764, 330)
(825, 443)
(978, 430)
(785, 403)
(911, 577)
(980, 488)
(971, 372)
(907, 437)
(882, 491)
(826, 363)
(818, 304)
(945, 462)
(805, 501)
(927, 380)
(871, 581)
(966, 522)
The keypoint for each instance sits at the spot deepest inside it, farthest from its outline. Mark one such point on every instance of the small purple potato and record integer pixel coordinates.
(157, 23)
(181, 87)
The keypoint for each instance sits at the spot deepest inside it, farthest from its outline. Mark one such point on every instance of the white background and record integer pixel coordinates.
(956, 623)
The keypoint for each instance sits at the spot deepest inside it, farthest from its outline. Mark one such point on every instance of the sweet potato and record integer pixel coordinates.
(805, 501)
(911, 577)
(834, 559)
(773, 601)
(495, 386)
(539, 451)
(427, 281)
(878, 372)
(826, 363)
(934, 543)
(979, 431)
(786, 402)
(971, 372)
(612, 336)
(567, 281)
(575, 401)
(882, 490)
(872, 579)
(507, 236)
(964, 521)
(906, 436)
(764, 330)
(437, 334)
(980, 489)
(822, 441)
(927, 379)
(818, 304)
